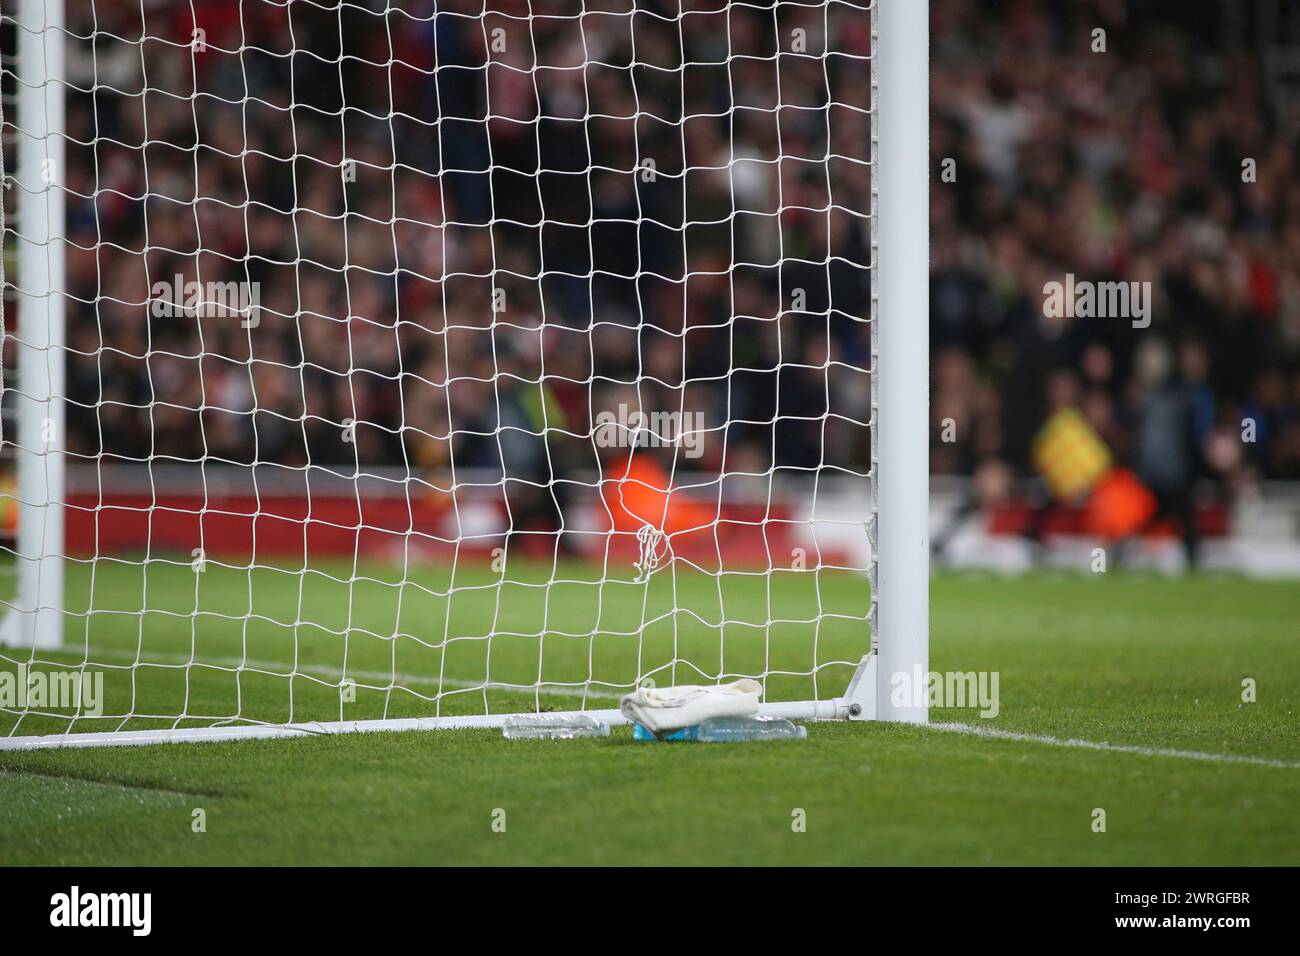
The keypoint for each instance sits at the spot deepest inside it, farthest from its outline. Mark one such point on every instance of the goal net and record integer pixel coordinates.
(379, 365)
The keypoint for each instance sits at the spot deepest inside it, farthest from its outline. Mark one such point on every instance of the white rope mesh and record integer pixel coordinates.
(424, 359)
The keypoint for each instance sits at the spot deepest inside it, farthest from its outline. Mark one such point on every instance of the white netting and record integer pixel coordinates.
(428, 359)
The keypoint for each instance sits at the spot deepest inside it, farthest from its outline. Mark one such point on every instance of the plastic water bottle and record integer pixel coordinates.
(552, 727)
(686, 733)
(717, 730)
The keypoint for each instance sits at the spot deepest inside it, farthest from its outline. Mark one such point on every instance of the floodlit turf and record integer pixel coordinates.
(272, 644)
(1130, 660)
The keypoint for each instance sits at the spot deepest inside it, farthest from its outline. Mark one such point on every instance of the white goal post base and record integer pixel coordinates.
(860, 705)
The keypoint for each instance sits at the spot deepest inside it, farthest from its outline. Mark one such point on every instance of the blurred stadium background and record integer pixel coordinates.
(1123, 165)
(1118, 165)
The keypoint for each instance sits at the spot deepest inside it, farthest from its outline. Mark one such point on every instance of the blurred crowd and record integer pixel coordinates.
(1114, 140)
(471, 231)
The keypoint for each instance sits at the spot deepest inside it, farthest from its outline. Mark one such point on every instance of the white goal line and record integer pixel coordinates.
(994, 733)
(795, 710)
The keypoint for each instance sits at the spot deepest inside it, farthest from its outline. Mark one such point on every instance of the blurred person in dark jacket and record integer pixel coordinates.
(1174, 424)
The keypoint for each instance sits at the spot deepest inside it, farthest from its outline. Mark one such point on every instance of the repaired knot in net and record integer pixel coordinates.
(653, 545)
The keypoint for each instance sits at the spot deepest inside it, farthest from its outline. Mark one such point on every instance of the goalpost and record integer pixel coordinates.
(322, 324)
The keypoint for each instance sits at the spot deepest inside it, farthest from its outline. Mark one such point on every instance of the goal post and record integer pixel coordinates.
(903, 330)
(291, 500)
(34, 619)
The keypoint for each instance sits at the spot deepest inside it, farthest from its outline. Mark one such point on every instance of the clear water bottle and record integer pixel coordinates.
(737, 729)
(731, 730)
(552, 727)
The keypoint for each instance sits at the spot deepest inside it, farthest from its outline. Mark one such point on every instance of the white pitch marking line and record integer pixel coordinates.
(563, 691)
(1117, 748)
(321, 670)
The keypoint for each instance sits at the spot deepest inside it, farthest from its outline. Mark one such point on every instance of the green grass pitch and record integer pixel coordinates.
(1145, 664)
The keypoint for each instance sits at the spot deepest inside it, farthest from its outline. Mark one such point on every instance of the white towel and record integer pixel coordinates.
(662, 710)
